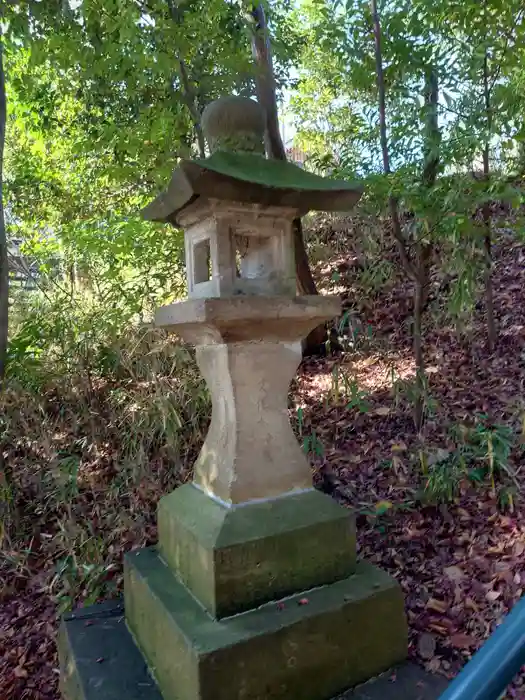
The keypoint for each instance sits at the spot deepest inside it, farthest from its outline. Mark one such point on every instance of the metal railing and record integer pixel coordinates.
(494, 665)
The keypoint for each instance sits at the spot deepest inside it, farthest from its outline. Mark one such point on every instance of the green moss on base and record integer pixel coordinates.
(311, 646)
(233, 559)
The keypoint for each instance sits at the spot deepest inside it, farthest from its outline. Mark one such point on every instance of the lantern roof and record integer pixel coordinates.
(238, 171)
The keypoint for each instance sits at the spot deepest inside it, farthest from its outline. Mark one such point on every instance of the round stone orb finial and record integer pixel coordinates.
(234, 124)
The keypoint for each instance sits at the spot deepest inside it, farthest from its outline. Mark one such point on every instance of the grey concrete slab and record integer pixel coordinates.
(105, 664)
(407, 682)
(99, 658)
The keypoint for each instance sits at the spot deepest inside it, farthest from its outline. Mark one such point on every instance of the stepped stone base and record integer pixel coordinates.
(309, 646)
(234, 559)
(101, 662)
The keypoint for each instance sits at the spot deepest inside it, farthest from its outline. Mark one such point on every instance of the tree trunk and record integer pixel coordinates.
(423, 259)
(4, 269)
(266, 95)
(424, 250)
(393, 203)
(492, 333)
(521, 159)
(416, 266)
(417, 345)
(191, 104)
(265, 83)
(432, 133)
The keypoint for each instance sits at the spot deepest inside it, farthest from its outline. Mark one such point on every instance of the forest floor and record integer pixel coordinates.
(427, 509)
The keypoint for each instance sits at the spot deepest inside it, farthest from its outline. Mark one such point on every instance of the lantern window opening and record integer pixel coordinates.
(202, 263)
(255, 255)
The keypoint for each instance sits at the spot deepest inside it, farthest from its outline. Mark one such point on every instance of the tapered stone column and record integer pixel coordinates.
(250, 452)
(248, 350)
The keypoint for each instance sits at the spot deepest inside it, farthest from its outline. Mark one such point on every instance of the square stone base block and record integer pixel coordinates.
(233, 559)
(309, 646)
(100, 661)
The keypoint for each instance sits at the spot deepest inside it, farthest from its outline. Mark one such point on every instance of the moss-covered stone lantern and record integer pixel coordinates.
(253, 591)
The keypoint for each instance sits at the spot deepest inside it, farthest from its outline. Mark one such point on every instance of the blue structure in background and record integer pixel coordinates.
(492, 668)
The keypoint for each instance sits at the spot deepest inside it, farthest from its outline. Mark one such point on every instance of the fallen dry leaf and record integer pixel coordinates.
(454, 573)
(519, 548)
(437, 605)
(462, 641)
(382, 411)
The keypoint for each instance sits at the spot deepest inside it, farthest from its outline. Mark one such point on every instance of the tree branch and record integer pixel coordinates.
(265, 82)
(497, 71)
(188, 92)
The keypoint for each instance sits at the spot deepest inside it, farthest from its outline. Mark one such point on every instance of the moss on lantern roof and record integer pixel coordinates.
(238, 171)
(255, 168)
(250, 178)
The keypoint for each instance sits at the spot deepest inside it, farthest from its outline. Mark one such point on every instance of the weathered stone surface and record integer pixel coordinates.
(247, 319)
(238, 249)
(232, 559)
(407, 682)
(234, 123)
(123, 675)
(250, 178)
(99, 659)
(250, 451)
(311, 646)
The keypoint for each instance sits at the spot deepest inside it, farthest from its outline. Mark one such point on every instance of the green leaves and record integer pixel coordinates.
(453, 37)
(98, 117)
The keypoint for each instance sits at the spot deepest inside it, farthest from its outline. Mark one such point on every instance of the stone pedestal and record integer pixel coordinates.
(253, 591)
(309, 646)
(123, 674)
(248, 350)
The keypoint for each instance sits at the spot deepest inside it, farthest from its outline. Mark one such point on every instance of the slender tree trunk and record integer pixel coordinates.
(521, 159)
(393, 203)
(265, 83)
(492, 333)
(417, 268)
(4, 269)
(432, 133)
(266, 95)
(417, 346)
(423, 256)
(73, 279)
(423, 252)
(191, 103)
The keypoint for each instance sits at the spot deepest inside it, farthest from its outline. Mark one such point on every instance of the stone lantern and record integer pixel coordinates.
(253, 591)
(237, 210)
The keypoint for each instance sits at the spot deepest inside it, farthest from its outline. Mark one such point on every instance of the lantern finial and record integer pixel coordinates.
(234, 123)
